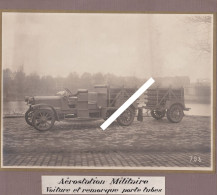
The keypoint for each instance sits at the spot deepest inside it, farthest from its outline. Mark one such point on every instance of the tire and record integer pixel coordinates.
(29, 116)
(43, 119)
(175, 114)
(158, 114)
(127, 117)
(108, 114)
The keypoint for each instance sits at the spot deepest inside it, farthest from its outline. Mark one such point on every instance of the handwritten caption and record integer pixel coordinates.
(103, 185)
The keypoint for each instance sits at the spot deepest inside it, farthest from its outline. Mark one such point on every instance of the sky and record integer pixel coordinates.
(140, 45)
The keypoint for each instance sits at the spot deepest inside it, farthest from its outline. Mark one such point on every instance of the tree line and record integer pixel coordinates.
(18, 84)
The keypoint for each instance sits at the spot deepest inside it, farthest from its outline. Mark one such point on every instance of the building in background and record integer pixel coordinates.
(199, 92)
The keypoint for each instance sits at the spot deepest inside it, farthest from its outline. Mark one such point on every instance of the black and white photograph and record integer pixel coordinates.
(66, 74)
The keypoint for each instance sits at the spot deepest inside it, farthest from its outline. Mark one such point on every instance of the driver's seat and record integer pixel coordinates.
(78, 97)
(72, 101)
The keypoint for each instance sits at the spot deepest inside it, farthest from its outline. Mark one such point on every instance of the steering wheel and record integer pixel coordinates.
(68, 91)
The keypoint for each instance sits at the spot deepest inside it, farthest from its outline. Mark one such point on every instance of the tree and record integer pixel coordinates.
(98, 78)
(7, 83)
(33, 84)
(72, 81)
(86, 81)
(19, 80)
(203, 25)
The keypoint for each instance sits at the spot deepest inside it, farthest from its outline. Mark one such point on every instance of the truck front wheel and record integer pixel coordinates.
(43, 119)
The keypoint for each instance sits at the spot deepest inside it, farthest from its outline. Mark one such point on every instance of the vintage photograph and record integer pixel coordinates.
(64, 74)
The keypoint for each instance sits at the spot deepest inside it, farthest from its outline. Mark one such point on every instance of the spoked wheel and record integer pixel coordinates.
(43, 119)
(158, 114)
(127, 117)
(108, 114)
(175, 113)
(29, 116)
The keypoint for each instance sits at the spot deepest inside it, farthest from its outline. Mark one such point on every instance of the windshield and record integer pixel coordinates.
(65, 92)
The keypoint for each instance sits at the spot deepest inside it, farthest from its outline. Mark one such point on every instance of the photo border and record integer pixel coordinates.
(211, 169)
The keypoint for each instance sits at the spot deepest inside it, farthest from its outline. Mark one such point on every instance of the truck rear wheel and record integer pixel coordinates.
(127, 117)
(175, 113)
(158, 114)
(43, 119)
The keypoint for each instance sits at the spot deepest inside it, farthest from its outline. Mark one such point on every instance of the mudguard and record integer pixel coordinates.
(45, 106)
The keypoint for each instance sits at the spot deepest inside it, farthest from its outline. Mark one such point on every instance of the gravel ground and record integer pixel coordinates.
(75, 143)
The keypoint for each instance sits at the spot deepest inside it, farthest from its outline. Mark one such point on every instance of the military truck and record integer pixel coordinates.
(100, 104)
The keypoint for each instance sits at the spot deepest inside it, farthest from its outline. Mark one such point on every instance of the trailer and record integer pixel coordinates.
(166, 101)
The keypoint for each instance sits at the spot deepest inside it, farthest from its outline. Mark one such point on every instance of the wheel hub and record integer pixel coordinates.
(43, 119)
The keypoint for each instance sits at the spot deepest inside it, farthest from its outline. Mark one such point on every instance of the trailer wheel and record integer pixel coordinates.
(127, 117)
(29, 116)
(158, 114)
(43, 119)
(175, 113)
